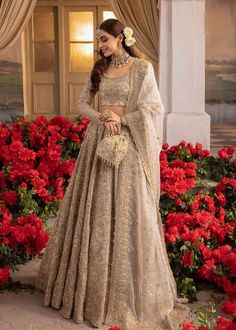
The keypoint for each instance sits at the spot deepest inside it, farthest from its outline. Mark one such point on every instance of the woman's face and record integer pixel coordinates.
(109, 44)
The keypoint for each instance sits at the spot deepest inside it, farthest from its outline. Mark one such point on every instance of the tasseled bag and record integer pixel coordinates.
(112, 149)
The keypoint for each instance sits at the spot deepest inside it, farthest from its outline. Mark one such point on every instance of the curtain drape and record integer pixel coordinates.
(14, 14)
(143, 17)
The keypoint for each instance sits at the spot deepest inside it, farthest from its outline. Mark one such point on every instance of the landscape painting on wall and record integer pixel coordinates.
(11, 84)
(220, 51)
(221, 81)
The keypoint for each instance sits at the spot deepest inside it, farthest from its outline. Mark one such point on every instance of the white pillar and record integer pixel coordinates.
(182, 71)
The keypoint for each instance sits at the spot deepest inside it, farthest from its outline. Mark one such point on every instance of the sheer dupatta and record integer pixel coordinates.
(144, 116)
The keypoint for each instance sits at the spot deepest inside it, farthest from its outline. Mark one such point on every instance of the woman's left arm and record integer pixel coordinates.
(149, 100)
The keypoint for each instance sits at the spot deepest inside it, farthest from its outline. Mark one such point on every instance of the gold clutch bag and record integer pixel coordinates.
(112, 149)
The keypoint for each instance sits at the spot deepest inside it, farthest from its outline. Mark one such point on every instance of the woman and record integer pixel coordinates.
(106, 261)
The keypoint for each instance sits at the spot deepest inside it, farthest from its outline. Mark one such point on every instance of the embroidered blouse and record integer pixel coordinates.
(112, 91)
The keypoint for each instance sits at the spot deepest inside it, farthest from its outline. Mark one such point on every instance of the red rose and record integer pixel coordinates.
(23, 185)
(174, 231)
(5, 227)
(4, 274)
(178, 202)
(194, 205)
(165, 146)
(221, 198)
(198, 146)
(205, 271)
(221, 214)
(224, 249)
(170, 239)
(223, 154)
(172, 149)
(187, 258)
(9, 197)
(229, 307)
(206, 252)
(229, 287)
(230, 149)
(224, 324)
(188, 326)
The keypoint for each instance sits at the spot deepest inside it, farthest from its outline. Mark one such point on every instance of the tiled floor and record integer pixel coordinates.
(222, 134)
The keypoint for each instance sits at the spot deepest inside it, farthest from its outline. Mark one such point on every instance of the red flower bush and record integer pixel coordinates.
(199, 222)
(36, 161)
(226, 152)
(22, 237)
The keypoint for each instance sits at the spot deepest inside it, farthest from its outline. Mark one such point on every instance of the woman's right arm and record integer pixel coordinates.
(84, 104)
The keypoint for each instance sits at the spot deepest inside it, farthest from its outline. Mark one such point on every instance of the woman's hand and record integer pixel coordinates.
(109, 116)
(113, 127)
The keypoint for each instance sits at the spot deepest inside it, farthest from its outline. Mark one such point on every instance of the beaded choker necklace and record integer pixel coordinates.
(119, 60)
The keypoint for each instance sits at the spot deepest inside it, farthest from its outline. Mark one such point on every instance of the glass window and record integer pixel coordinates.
(44, 41)
(44, 57)
(81, 57)
(81, 26)
(43, 26)
(81, 39)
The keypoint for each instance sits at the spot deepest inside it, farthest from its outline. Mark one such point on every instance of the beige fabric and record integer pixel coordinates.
(146, 123)
(143, 18)
(14, 15)
(106, 261)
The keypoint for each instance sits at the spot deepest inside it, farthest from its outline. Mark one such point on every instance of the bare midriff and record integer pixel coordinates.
(119, 110)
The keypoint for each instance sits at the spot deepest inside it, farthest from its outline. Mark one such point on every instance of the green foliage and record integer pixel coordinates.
(206, 315)
(69, 149)
(187, 288)
(16, 256)
(221, 168)
(28, 203)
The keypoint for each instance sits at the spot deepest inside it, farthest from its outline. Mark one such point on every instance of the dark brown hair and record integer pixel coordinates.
(113, 27)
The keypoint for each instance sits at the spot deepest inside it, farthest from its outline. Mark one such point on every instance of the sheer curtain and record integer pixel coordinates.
(143, 17)
(14, 14)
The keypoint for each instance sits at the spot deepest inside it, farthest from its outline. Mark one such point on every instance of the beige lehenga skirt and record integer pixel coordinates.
(106, 261)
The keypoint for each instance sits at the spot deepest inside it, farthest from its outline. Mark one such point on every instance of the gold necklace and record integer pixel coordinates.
(120, 60)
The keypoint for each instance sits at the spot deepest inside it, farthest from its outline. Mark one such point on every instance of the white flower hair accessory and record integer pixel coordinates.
(129, 40)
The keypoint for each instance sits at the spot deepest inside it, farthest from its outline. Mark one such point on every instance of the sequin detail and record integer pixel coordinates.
(114, 90)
